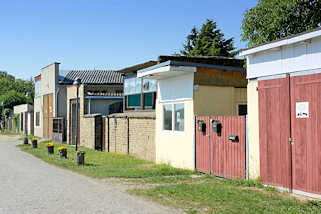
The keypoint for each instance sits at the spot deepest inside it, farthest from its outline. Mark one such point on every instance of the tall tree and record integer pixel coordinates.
(209, 41)
(13, 91)
(274, 19)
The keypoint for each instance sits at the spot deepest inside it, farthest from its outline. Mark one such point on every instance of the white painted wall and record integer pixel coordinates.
(22, 108)
(176, 148)
(302, 56)
(175, 88)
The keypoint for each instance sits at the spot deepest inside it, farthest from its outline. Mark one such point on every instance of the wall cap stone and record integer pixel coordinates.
(136, 115)
(91, 115)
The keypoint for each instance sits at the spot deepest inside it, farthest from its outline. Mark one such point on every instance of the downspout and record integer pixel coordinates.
(56, 107)
(127, 135)
(246, 147)
(194, 139)
(89, 106)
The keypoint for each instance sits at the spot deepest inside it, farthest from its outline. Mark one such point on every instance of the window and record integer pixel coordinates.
(134, 100)
(139, 93)
(149, 98)
(37, 118)
(241, 109)
(168, 117)
(38, 88)
(174, 114)
(149, 85)
(179, 117)
(133, 86)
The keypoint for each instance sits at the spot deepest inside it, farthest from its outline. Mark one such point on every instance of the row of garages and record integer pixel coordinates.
(280, 143)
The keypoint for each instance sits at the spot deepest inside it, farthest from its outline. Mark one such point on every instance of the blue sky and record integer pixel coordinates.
(104, 34)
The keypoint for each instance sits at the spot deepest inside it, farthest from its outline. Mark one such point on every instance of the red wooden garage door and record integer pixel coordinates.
(306, 132)
(289, 108)
(274, 129)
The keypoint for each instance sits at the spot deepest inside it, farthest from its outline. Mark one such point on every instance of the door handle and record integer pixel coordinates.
(291, 140)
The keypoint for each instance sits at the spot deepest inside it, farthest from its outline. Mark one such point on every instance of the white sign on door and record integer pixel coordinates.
(302, 109)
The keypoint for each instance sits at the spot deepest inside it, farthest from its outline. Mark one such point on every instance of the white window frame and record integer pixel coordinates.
(173, 131)
(237, 108)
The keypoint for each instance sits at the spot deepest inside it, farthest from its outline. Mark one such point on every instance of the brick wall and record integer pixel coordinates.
(133, 134)
(87, 133)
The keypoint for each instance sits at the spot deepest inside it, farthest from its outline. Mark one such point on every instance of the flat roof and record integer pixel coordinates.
(193, 64)
(137, 67)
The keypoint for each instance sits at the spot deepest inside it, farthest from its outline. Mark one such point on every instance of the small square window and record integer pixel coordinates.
(242, 109)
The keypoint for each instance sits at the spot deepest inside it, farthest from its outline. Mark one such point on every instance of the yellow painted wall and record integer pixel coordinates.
(176, 149)
(253, 129)
(220, 101)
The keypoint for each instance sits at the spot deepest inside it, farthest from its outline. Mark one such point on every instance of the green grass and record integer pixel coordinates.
(174, 179)
(29, 137)
(7, 132)
(177, 187)
(103, 164)
(226, 196)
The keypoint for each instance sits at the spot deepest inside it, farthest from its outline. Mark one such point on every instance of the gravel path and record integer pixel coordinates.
(29, 185)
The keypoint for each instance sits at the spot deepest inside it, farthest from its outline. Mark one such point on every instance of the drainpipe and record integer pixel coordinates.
(56, 107)
(89, 105)
(246, 148)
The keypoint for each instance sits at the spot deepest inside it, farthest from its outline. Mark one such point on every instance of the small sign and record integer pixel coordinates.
(302, 109)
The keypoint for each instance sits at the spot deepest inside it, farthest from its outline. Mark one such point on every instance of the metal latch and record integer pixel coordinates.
(291, 140)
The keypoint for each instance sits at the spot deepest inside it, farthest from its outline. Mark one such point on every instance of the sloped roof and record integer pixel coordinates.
(94, 77)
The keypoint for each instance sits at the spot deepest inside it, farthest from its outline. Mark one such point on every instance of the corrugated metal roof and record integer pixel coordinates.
(94, 77)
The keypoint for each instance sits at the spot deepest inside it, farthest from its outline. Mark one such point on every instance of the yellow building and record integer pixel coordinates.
(189, 87)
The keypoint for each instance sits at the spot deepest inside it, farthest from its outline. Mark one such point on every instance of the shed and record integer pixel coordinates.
(190, 86)
(100, 93)
(284, 86)
(25, 122)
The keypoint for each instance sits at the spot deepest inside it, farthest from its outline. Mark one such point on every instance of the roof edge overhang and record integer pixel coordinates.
(176, 68)
(103, 97)
(167, 71)
(304, 37)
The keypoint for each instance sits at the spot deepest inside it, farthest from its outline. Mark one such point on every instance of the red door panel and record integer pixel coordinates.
(229, 157)
(306, 133)
(217, 155)
(203, 148)
(274, 132)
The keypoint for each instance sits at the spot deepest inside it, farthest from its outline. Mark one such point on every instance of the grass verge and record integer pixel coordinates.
(7, 132)
(226, 196)
(103, 164)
